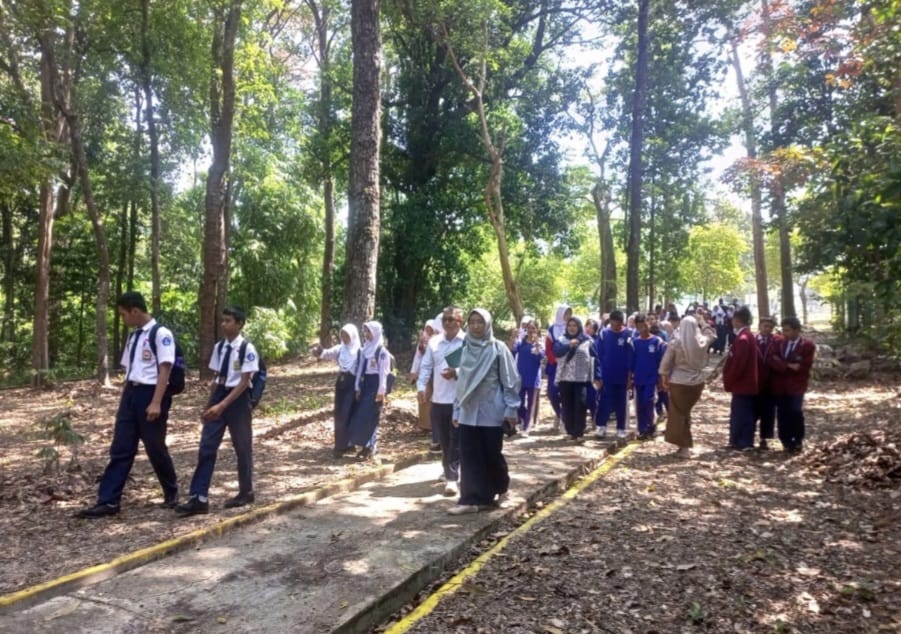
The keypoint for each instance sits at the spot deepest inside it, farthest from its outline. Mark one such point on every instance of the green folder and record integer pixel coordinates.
(453, 359)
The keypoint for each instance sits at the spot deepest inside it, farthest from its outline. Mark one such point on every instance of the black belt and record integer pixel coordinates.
(136, 384)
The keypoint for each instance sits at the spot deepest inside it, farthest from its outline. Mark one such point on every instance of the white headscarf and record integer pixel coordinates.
(369, 347)
(693, 343)
(560, 320)
(347, 356)
(436, 326)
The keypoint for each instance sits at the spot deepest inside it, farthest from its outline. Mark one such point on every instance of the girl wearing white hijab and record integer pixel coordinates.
(555, 330)
(346, 354)
(371, 387)
(681, 374)
(487, 396)
(432, 327)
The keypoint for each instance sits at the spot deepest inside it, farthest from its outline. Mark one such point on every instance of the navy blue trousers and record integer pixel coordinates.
(765, 412)
(644, 408)
(483, 468)
(442, 416)
(345, 399)
(613, 400)
(573, 407)
(741, 421)
(790, 412)
(237, 419)
(528, 406)
(131, 426)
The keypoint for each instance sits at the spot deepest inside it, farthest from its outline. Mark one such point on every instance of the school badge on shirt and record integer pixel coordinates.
(236, 365)
(146, 354)
(652, 349)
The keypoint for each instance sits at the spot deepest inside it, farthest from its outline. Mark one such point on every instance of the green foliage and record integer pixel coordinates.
(711, 264)
(270, 331)
(58, 429)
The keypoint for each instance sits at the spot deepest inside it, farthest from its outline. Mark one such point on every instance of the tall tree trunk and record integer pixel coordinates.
(222, 112)
(363, 192)
(153, 136)
(601, 197)
(760, 274)
(636, 148)
(652, 235)
(777, 189)
(322, 21)
(494, 203)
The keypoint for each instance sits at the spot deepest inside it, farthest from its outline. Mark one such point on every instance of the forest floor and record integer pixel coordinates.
(760, 542)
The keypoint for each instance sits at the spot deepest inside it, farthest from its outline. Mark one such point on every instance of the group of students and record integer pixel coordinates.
(150, 358)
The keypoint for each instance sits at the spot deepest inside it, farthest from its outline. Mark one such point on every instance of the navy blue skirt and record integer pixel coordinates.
(364, 420)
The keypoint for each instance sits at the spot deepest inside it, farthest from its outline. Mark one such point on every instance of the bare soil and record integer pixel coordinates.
(726, 542)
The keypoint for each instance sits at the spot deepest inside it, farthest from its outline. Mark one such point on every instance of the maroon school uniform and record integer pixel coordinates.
(740, 372)
(789, 386)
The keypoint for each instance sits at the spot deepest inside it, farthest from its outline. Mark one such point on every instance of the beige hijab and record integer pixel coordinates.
(693, 343)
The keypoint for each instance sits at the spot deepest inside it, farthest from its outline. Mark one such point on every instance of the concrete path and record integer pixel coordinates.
(342, 564)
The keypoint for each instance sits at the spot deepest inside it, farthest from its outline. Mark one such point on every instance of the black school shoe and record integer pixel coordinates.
(97, 511)
(192, 507)
(242, 499)
(170, 502)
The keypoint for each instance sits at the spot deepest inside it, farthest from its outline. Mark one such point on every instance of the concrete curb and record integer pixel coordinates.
(87, 576)
(395, 598)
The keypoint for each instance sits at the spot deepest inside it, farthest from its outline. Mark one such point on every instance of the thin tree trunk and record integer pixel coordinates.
(9, 265)
(121, 259)
(153, 136)
(651, 237)
(601, 197)
(777, 190)
(103, 282)
(494, 203)
(222, 111)
(321, 17)
(364, 213)
(758, 237)
(636, 148)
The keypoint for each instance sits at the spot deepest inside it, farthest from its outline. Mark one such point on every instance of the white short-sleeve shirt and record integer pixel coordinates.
(146, 367)
(235, 368)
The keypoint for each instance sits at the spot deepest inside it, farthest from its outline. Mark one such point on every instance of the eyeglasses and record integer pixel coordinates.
(448, 319)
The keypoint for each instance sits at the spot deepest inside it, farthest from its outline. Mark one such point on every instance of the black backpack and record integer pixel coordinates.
(257, 379)
(177, 374)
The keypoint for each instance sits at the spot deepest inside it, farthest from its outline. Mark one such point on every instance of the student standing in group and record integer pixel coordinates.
(371, 387)
(575, 372)
(611, 374)
(564, 312)
(431, 328)
(529, 355)
(741, 379)
(661, 404)
(143, 408)
(765, 404)
(487, 396)
(682, 375)
(647, 352)
(436, 368)
(347, 355)
(592, 328)
(792, 367)
(235, 361)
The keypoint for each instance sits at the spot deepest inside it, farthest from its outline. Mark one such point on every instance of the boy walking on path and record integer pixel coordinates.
(612, 351)
(143, 408)
(740, 378)
(235, 360)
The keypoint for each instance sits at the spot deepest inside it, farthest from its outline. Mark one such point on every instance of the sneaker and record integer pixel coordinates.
(684, 452)
(620, 433)
(242, 499)
(192, 507)
(365, 454)
(502, 498)
(600, 432)
(744, 449)
(524, 433)
(435, 447)
(450, 489)
(463, 509)
(98, 510)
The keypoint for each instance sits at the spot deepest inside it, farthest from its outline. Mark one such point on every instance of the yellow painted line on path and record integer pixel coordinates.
(143, 556)
(450, 587)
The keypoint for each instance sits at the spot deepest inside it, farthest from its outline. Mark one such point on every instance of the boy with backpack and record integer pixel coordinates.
(235, 361)
(150, 358)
